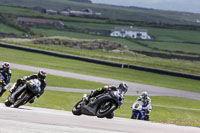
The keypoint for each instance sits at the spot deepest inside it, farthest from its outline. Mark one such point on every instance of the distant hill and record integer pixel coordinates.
(113, 12)
(84, 1)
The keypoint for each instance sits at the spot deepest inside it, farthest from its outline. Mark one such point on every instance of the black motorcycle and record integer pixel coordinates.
(1, 83)
(101, 106)
(24, 93)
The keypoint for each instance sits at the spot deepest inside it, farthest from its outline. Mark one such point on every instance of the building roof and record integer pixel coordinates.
(129, 29)
(88, 10)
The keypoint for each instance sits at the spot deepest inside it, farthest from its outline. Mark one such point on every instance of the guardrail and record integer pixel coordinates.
(153, 70)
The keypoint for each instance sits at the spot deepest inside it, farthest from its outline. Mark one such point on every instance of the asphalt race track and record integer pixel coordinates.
(38, 120)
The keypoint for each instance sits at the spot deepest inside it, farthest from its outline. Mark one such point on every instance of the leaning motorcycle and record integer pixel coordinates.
(138, 111)
(1, 83)
(24, 93)
(101, 106)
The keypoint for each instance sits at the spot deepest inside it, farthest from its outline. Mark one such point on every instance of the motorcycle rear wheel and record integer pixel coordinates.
(77, 109)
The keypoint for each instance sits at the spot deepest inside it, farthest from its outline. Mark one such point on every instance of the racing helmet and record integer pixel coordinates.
(123, 87)
(42, 74)
(6, 66)
(144, 94)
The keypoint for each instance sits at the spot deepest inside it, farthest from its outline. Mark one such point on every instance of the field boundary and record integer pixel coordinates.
(90, 60)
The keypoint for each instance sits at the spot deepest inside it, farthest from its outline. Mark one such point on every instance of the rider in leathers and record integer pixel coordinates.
(147, 103)
(122, 88)
(40, 76)
(6, 72)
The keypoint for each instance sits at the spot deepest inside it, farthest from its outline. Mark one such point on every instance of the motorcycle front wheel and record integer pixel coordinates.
(22, 100)
(77, 109)
(7, 103)
(105, 109)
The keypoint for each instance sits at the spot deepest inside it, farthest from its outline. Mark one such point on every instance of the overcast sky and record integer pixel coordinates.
(177, 5)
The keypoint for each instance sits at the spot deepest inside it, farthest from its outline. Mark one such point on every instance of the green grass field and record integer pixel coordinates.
(172, 41)
(56, 81)
(173, 47)
(163, 107)
(110, 11)
(174, 35)
(45, 61)
(7, 29)
(127, 58)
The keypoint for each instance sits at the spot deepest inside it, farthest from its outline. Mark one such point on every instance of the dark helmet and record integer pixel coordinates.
(42, 74)
(144, 94)
(123, 87)
(5, 66)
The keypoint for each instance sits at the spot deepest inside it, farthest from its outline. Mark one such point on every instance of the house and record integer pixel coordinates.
(64, 13)
(35, 22)
(198, 21)
(130, 32)
(85, 13)
(51, 12)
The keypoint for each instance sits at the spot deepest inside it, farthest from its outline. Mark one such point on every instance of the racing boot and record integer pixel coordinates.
(32, 100)
(146, 117)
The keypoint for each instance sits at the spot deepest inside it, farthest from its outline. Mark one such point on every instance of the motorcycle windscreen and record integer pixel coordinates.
(33, 88)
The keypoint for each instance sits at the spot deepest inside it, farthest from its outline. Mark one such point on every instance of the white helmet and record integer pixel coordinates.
(144, 94)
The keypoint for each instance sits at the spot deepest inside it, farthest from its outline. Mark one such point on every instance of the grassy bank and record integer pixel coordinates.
(45, 61)
(127, 58)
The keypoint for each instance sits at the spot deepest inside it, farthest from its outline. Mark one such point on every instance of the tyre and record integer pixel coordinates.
(77, 109)
(110, 116)
(22, 100)
(133, 117)
(146, 118)
(105, 109)
(136, 116)
(7, 103)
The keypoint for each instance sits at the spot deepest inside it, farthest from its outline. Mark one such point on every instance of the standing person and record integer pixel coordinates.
(5, 76)
(40, 76)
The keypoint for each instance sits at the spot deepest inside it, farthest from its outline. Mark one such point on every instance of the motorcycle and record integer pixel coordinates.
(138, 111)
(1, 83)
(24, 93)
(101, 106)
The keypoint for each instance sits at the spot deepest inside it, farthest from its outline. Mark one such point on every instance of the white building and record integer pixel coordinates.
(52, 12)
(198, 20)
(130, 32)
(64, 13)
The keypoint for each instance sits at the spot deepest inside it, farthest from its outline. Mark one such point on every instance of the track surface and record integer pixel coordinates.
(134, 88)
(31, 120)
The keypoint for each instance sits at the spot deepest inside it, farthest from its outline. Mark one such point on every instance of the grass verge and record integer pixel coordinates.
(51, 62)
